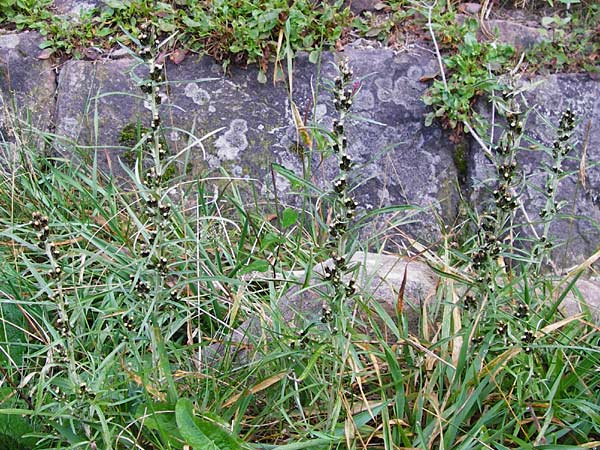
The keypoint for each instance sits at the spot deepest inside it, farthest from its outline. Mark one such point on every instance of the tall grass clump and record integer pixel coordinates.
(151, 314)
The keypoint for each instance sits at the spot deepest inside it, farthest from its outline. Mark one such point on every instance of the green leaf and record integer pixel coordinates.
(363, 220)
(115, 4)
(313, 56)
(270, 240)
(202, 434)
(46, 44)
(428, 100)
(470, 39)
(194, 23)
(429, 119)
(289, 217)
(12, 426)
(294, 179)
(103, 32)
(260, 265)
(11, 331)
(160, 417)
(557, 447)
(374, 32)
(166, 26)
(308, 41)
(547, 21)
(267, 20)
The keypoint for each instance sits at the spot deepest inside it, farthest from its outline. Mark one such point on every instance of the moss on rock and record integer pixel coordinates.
(460, 156)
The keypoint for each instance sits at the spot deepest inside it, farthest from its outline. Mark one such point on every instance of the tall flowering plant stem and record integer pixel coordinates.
(343, 205)
(156, 274)
(559, 152)
(495, 230)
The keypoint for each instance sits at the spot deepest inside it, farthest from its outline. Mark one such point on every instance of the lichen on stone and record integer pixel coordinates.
(198, 95)
(10, 41)
(233, 141)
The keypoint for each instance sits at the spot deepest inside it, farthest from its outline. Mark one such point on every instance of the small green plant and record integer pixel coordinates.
(22, 12)
(504, 323)
(574, 43)
(105, 342)
(253, 32)
(472, 72)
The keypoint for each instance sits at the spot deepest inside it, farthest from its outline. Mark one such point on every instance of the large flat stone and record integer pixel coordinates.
(379, 279)
(581, 189)
(399, 160)
(519, 35)
(585, 297)
(27, 84)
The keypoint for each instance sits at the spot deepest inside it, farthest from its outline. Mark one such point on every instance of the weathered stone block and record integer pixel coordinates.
(95, 102)
(399, 161)
(26, 82)
(519, 35)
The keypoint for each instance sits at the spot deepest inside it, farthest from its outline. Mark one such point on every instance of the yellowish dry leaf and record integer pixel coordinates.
(257, 388)
(300, 127)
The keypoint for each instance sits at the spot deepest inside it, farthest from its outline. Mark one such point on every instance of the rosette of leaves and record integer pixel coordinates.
(472, 73)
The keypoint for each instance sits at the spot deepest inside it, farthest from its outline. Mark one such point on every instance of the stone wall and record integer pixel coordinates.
(251, 125)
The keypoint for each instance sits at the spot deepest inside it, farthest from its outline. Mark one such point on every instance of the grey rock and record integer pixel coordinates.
(580, 233)
(585, 297)
(360, 6)
(93, 107)
(75, 8)
(26, 82)
(520, 36)
(379, 279)
(469, 8)
(400, 161)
